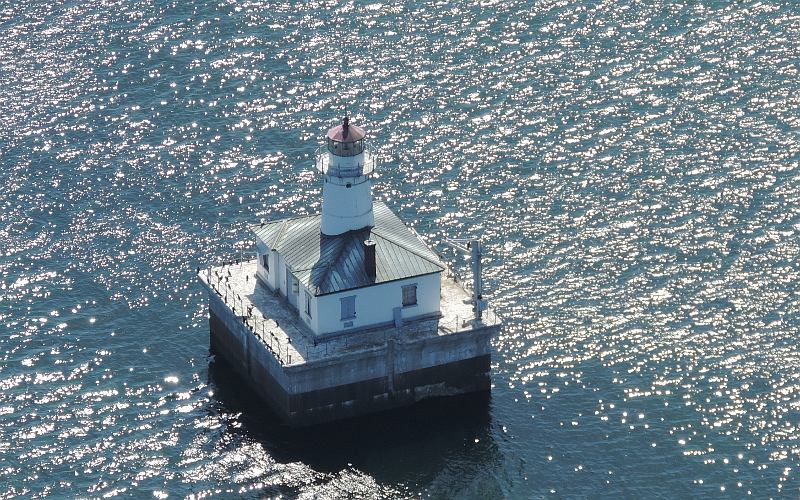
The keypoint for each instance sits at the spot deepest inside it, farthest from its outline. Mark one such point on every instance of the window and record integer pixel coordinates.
(348, 307)
(410, 295)
(308, 304)
(265, 261)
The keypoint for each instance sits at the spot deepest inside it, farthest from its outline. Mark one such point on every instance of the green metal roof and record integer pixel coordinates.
(330, 264)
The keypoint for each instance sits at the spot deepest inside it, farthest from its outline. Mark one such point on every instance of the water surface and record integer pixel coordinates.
(633, 168)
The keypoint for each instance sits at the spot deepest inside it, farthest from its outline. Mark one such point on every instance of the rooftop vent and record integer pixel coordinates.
(369, 258)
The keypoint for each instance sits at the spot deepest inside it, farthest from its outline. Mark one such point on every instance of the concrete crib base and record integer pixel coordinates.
(307, 407)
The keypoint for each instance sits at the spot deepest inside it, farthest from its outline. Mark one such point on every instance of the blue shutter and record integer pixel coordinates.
(348, 307)
(410, 295)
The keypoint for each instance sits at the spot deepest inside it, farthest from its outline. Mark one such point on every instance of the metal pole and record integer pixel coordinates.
(477, 295)
(473, 248)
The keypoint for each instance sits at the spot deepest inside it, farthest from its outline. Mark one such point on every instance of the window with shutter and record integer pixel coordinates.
(348, 307)
(410, 295)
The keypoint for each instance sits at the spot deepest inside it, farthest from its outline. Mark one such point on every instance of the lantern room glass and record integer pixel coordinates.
(346, 148)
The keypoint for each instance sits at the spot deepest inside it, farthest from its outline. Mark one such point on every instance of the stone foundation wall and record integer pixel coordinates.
(356, 383)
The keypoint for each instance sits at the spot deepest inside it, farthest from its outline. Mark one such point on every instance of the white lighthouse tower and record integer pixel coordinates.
(346, 163)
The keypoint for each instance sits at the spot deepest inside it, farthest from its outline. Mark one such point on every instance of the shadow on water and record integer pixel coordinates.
(397, 445)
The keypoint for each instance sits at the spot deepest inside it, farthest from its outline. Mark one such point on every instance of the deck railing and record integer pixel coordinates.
(281, 346)
(367, 167)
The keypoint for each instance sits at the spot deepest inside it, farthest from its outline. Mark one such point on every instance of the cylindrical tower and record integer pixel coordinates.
(346, 163)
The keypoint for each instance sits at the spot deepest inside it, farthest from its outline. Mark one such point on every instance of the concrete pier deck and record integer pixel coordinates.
(307, 379)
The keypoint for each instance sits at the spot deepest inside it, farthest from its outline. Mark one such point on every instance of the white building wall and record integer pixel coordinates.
(260, 271)
(311, 321)
(280, 274)
(292, 288)
(375, 304)
(267, 276)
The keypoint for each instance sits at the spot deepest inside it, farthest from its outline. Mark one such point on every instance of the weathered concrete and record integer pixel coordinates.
(308, 381)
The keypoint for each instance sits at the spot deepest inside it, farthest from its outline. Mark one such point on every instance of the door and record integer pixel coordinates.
(292, 288)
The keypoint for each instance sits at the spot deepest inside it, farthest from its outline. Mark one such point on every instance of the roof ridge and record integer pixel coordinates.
(330, 263)
(281, 233)
(404, 247)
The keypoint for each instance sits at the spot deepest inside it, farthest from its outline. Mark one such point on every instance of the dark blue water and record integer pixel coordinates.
(634, 168)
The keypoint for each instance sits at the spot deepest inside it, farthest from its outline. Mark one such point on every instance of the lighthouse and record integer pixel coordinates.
(346, 163)
(348, 311)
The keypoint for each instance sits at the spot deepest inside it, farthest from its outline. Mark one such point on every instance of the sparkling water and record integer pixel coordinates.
(631, 166)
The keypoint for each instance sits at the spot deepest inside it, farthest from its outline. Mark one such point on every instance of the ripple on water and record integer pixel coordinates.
(632, 168)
